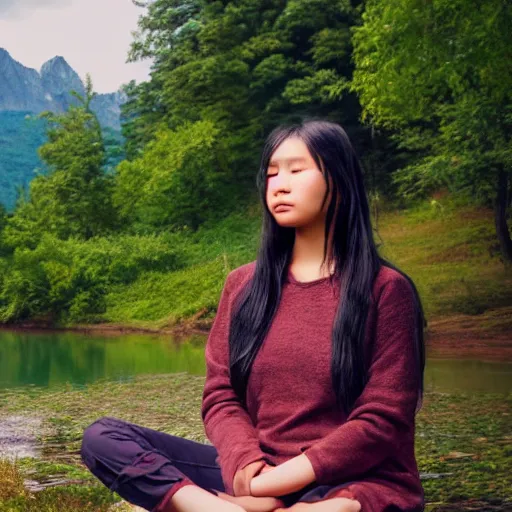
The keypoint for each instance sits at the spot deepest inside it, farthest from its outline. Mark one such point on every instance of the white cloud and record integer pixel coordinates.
(17, 8)
(93, 36)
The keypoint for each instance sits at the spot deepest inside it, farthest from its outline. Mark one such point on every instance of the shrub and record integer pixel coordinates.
(68, 280)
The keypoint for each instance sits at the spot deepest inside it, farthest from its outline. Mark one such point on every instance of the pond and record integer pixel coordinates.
(54, 358)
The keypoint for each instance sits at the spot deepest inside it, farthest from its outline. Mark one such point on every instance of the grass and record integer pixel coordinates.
(11, 482)
(463, 443)
(157, 300)
(451, 254)
(472, 451)
(449, 250)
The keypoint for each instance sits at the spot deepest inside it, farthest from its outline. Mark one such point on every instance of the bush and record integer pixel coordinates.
(68, 280)
(180, 181)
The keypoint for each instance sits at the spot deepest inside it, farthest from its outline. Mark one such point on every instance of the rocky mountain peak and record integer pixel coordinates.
(25, 89)
(57, 64)
(59, 77)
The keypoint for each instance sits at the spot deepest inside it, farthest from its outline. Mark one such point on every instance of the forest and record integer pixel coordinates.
(422, 88)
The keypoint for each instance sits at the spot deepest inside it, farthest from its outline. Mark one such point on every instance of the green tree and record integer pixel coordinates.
(439, 74)
(167, 35)
(179, 181)
(74, 197)
(245, 66)
(3, 222)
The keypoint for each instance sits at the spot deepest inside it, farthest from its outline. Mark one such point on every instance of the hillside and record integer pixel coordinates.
(448, 249)
(20, 136)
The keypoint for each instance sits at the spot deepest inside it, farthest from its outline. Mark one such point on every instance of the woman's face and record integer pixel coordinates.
(294, 177)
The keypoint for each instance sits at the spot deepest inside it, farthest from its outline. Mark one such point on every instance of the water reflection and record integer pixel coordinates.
(468, 375)
(48, 359)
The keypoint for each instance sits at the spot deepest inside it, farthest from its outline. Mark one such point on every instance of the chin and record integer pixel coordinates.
(287, 223)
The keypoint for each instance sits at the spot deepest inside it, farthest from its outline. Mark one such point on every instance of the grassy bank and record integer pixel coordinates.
(464, 457)
(172, 282)
(448, 249)
(450, 252)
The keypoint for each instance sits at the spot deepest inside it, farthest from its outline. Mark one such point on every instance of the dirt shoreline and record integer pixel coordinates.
(183, 330)
(486, 337)
(460, 336)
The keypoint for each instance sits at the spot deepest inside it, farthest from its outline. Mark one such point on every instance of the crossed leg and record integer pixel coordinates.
(252, 504)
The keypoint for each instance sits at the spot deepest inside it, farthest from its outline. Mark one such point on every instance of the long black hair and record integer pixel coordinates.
(354, 254)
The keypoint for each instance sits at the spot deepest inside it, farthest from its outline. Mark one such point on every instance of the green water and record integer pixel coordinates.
(50, 358)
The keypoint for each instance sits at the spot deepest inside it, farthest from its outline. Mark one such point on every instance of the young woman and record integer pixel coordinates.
(315, 362)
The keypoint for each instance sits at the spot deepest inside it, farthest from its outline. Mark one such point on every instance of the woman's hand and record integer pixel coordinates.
(266, 468)
(291, 476)
(242, 478)
(242, 492)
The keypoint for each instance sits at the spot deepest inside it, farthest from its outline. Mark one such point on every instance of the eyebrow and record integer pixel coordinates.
(301, 160)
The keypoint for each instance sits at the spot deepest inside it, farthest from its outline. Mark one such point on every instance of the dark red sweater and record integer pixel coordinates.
(291, 406)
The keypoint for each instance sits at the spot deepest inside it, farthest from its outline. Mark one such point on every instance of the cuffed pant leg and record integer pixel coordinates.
(314, 492)
(325, 492)
(144, 466)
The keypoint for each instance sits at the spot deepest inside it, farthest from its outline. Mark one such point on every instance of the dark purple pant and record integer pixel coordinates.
(146, 467)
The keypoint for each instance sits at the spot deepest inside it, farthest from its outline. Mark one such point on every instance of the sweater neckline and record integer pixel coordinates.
(306, 284)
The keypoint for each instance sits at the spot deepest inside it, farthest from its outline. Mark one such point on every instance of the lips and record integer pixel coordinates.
(285, 205)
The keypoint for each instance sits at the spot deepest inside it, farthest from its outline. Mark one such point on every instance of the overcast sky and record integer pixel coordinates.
(92, 35)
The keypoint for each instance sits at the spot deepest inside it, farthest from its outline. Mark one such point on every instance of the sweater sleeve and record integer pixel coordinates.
(227, 423)
(385, 410)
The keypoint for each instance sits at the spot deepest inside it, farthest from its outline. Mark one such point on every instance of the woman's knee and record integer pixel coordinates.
(93, 438)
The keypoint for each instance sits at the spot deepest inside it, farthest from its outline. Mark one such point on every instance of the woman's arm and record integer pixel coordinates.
(383, 415)
(291, 476)
(226, 422)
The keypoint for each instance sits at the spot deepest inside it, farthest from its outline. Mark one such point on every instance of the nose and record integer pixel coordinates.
(280, 183)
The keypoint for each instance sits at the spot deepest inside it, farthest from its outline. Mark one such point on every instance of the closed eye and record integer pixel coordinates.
(293, 170)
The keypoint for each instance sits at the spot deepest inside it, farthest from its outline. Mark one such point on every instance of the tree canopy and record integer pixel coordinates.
(439, 75)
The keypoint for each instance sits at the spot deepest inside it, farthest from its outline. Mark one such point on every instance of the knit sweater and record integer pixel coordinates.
(291, 405)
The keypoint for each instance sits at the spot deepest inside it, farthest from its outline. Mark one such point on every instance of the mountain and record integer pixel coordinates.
(58, 78)
(24, 89)
(24, 93)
